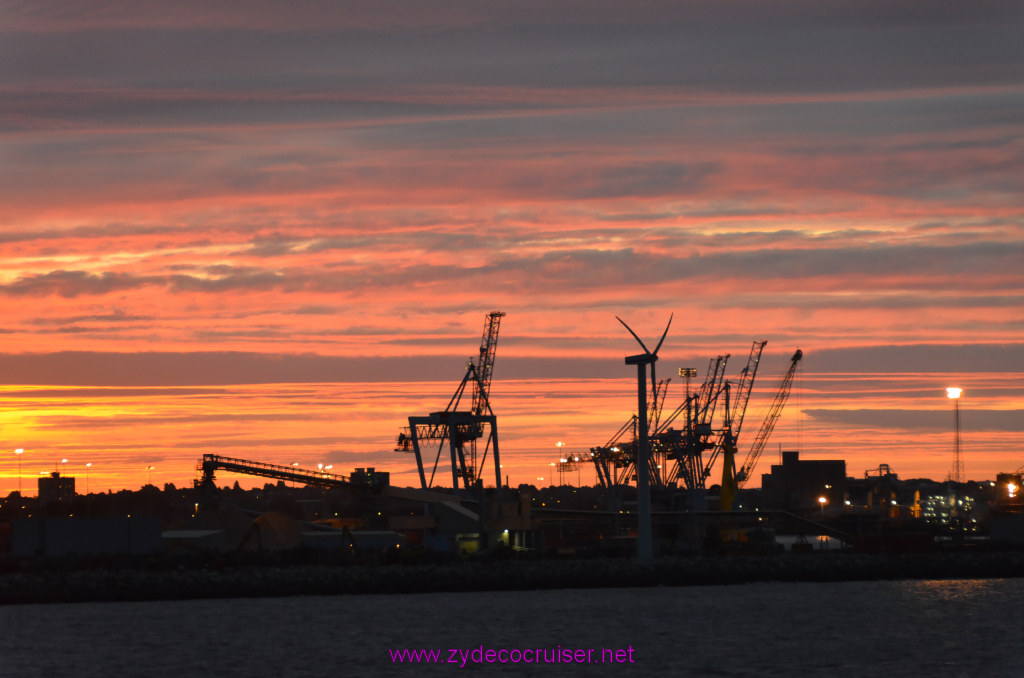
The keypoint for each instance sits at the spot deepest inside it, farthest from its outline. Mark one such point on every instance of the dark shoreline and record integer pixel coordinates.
(140, 583)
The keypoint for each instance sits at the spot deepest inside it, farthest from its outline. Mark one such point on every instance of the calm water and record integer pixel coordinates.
(927, 628)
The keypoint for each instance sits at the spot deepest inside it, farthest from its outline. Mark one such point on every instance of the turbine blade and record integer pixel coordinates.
(640, 341)
(665, 334)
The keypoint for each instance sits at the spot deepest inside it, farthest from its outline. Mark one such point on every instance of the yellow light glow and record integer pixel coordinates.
(954, 392)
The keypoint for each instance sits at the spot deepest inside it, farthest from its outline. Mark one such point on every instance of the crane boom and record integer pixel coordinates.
(711, 388)
(730, 433)
(745, 386)
(485, 362)
(774, 412)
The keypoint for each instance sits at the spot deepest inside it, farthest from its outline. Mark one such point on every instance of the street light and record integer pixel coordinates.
(19, 452)
(88, 465)
(822, 500)
(149, 478)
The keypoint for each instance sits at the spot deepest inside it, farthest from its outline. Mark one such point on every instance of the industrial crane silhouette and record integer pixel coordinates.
(615, 461)
(461, 428)
(768, 425)
(709, 430)
(685, 448)
(732, 479)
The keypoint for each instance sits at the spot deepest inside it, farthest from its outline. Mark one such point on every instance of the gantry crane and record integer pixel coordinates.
(693, 449)
(461, 429)
(673, 455)
(615, 461)
(685, 448)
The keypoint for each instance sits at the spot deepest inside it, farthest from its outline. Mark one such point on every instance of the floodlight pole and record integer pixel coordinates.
(957, 475)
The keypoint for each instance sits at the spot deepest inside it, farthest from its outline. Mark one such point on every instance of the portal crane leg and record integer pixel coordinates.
(458, 464)
(497, 458)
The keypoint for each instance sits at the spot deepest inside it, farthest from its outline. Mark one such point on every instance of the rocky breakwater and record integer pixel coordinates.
(162, 582)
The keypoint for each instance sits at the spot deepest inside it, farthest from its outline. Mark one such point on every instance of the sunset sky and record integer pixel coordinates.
(273, 230)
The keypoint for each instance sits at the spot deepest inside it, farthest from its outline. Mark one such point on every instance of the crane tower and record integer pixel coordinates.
(461, 428)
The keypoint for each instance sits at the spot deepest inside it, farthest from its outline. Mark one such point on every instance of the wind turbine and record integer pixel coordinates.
(644, 545)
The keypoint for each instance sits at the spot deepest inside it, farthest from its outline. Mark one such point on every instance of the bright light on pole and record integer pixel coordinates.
(957, 475)
(88, 465)
(19, 452)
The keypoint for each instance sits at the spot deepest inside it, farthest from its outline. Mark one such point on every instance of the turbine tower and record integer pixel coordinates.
(644, 544)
